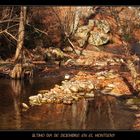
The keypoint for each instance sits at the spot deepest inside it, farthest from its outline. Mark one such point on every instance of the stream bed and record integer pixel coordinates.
(101, 113)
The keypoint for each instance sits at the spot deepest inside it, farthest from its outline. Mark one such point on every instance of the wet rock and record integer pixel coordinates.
(129, 102)
(75, 98)
(44, 100)
(110, 91)
(68, 92)
(59, 100)
(40, 96)
(35, 100)
(89, 95)
(25, 106)
(133, 101)
(137, 115)
(74, 88)
(134, 107)
(32, 98)
(67, 77)
(49, 101)
(67, 102)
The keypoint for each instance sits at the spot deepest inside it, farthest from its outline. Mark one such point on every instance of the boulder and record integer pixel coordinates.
(103, 25)
(98, 38)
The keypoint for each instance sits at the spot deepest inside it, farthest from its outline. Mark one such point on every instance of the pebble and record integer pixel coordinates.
(67, 77)
(111, 85)
(134, 107)
(89, 95)
(25, 106)
(101, 78)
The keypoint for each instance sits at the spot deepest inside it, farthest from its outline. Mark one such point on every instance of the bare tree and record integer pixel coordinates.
(21, 32)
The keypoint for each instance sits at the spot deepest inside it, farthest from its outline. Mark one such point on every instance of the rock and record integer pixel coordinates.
(68, 102)
(132, 101)
(112, 64)
(49, 101)
(67, 90)
(111, 85)
(134, 107)
(103, 25)
(110, 91)
(32, 98)
(91, 23)
(53, 53)
(82, 86)
(74, 88)
(59, 100)
(102, 64)
(101, 78)
(137, 115)
(68, 49)
(44, 100)
(97, 38)
(111, 76)
(34, 102)
(129, 102)
(101, 73)
(81, 93)
(90, 86)
(25, 106)
(75, 98)
(43, 91)
(89, 95)
(40, 96)
(67, 77)
(82, 35)
(70, 61)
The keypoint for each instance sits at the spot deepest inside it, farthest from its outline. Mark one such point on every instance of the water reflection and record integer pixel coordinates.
(104, 112)
(100, 114)
(10, 110)
(16, 93)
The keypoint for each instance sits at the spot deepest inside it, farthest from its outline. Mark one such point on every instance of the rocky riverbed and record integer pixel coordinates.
(95, 76)
(67, 93)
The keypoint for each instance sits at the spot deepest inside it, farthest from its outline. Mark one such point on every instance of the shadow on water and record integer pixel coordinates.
(104, 112)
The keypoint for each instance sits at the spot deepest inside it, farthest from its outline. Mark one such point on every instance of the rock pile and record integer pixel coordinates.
(67, 93)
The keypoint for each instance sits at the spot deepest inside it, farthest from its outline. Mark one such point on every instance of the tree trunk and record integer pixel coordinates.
(17, 72)
(21, 32)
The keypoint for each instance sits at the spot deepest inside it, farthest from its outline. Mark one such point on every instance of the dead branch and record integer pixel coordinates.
(9, 20)
(10, 35)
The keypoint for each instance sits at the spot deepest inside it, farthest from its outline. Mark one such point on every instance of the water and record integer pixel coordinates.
(104, 112)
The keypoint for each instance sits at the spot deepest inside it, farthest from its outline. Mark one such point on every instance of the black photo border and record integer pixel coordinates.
(90, 134)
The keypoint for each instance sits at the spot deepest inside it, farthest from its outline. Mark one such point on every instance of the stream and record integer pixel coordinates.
(102, 113)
